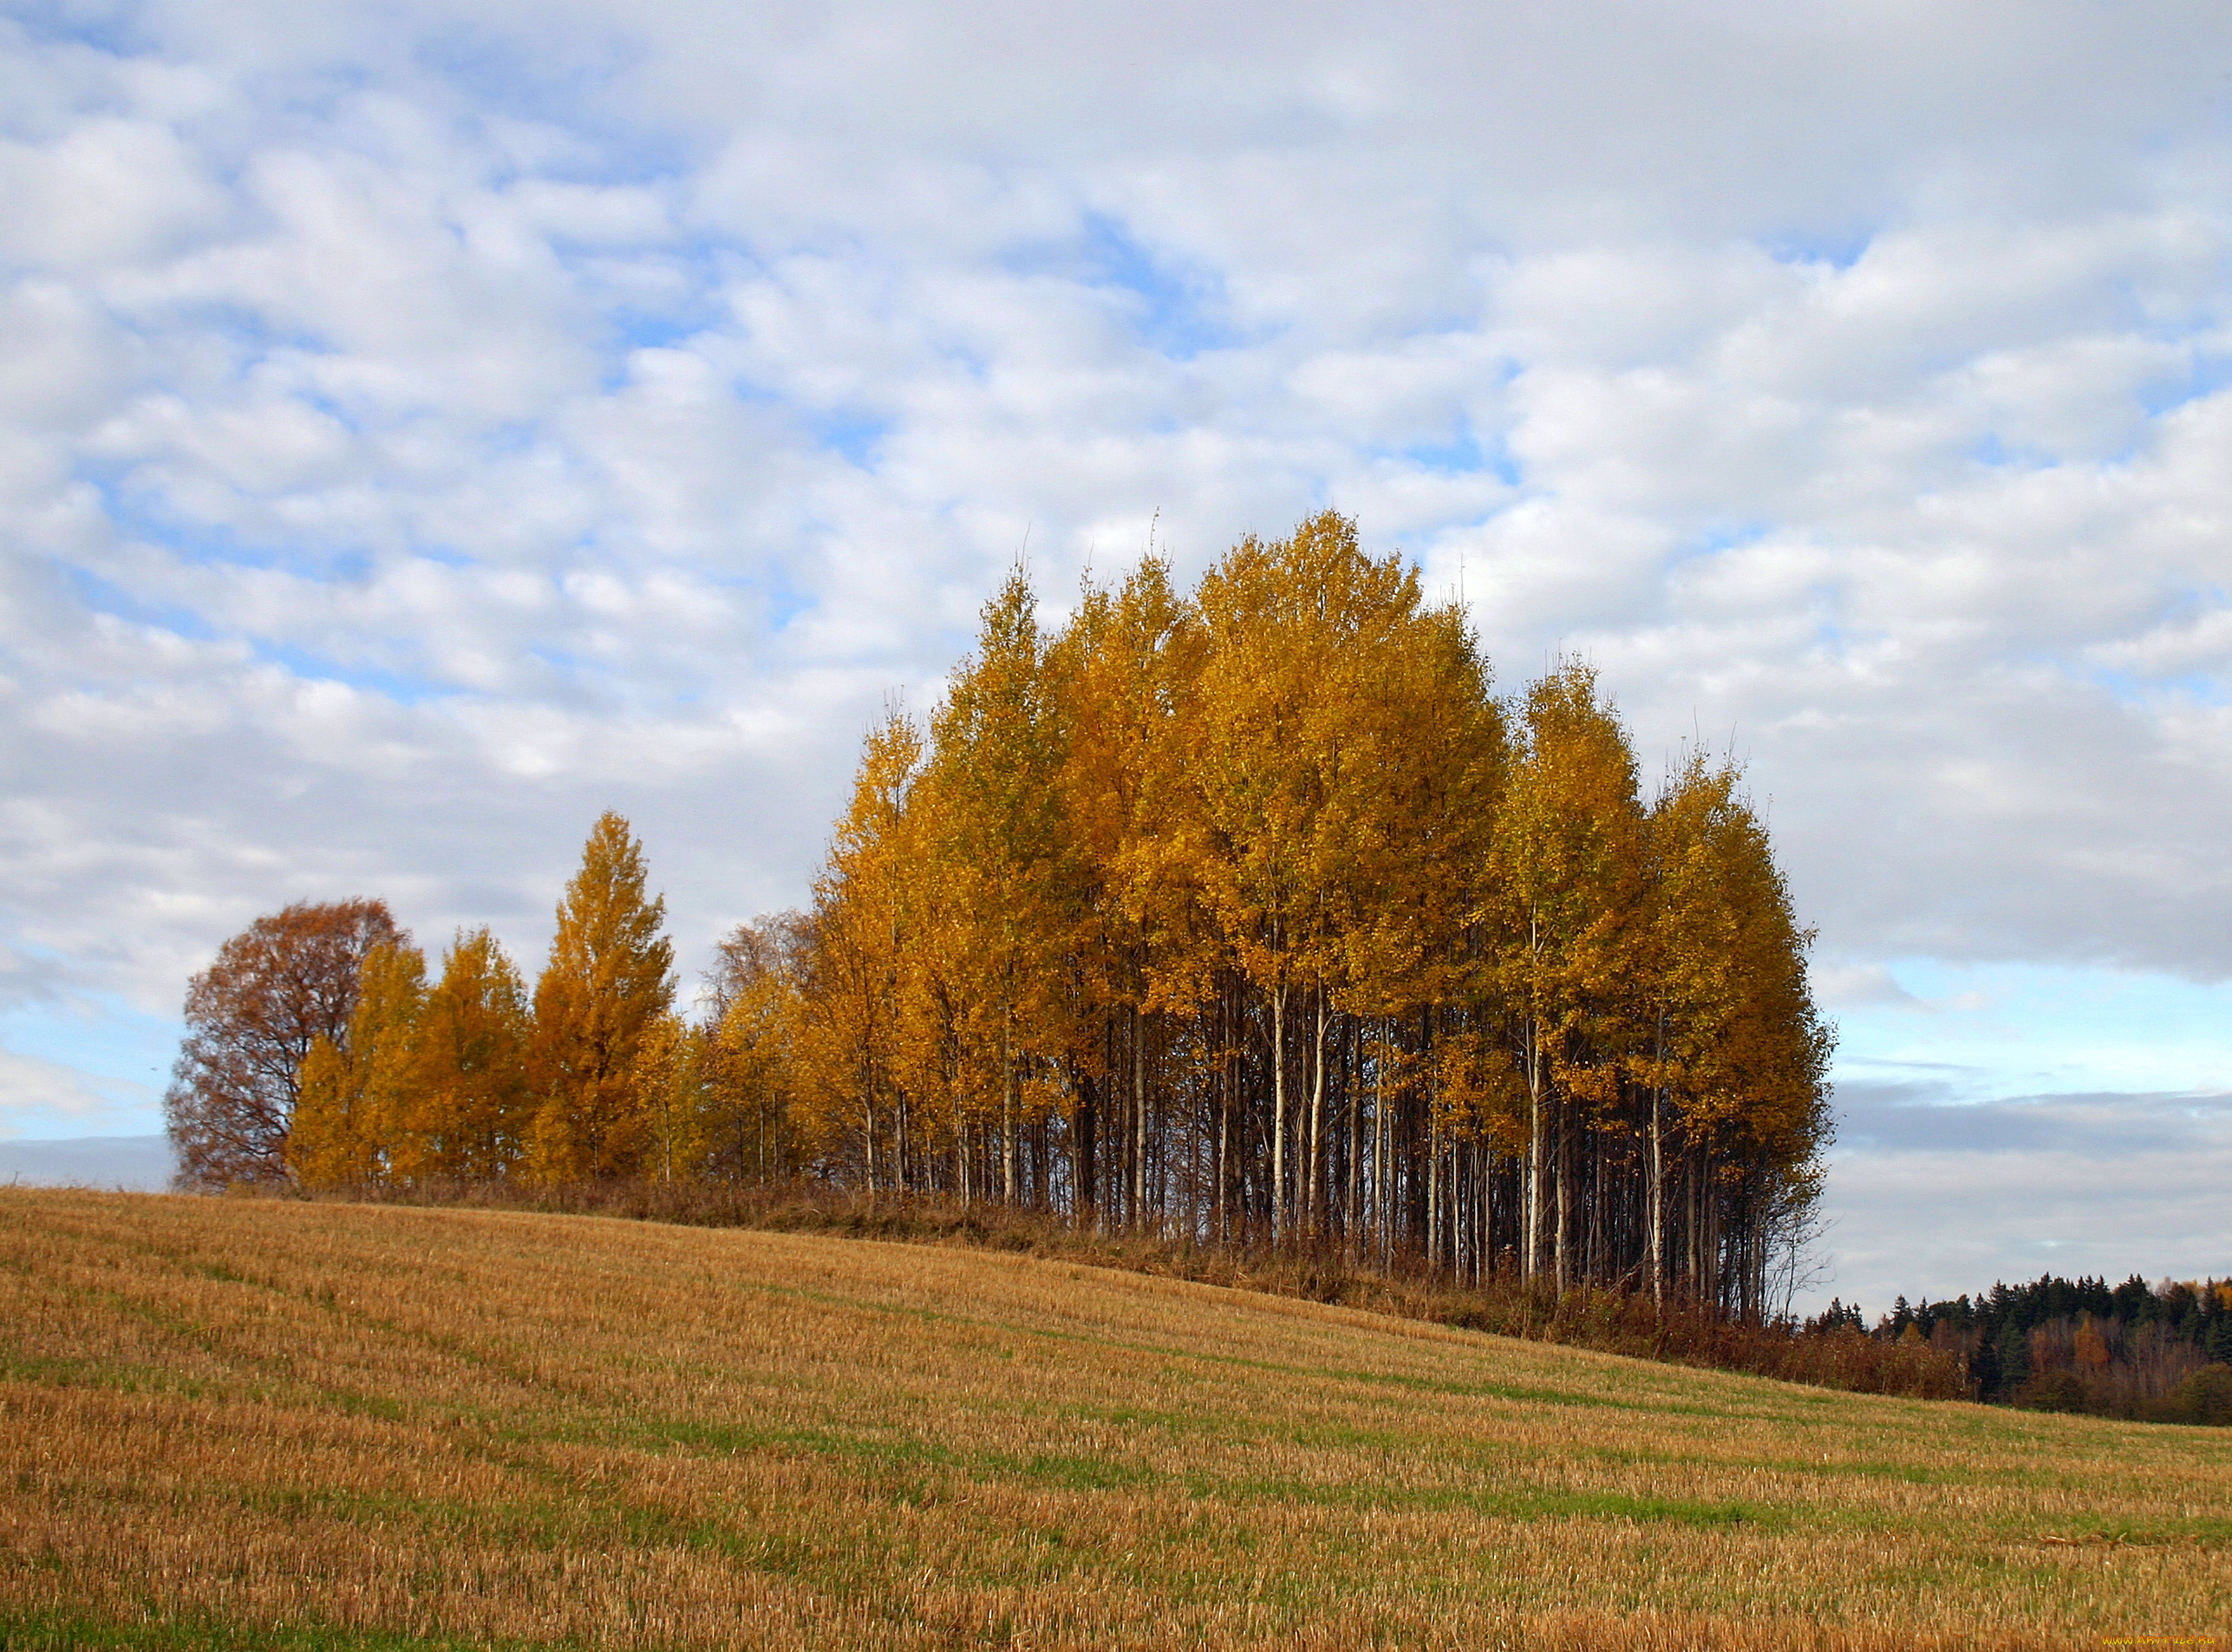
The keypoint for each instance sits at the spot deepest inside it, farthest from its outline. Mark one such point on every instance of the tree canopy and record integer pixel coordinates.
(1256, 915)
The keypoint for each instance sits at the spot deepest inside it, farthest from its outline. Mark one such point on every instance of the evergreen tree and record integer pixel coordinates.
(607, 982)
(2014, 1358)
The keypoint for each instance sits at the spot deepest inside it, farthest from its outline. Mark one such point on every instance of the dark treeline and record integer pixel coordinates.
(1250, 917)
(2133, 1350)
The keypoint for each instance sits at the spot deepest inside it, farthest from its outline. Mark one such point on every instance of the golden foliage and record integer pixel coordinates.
(1251, 914)
(354, 1116)
(469, 1114)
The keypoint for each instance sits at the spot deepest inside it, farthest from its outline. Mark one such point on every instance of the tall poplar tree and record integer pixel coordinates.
(1012, 870)
(747, 1133)
(1565, 889)
(1284, 622)
(1769, 1065)
(1121, 674)
(855, 945)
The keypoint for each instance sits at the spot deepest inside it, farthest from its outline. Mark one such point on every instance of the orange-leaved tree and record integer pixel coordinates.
(847, 1048)
(287, 980)
(1011, 873)
(607, 982)
(469, 1117)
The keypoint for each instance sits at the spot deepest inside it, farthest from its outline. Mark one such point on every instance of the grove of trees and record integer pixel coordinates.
(1251, 915)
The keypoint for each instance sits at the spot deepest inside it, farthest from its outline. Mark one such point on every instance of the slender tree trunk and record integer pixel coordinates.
(1139, 1117)
(1315, 1202)
(1352, 1217)
(1559, 1155)
(1278, 1111)
(1432, 1195)
(1532, 1249)
(1084, 1206)
(1658, 1195)
(1008, 1104)
(1382, 1171)
(868, 1136)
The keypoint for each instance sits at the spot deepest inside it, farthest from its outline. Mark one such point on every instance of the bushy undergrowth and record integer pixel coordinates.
(1611, 1321)
(2204, 1398)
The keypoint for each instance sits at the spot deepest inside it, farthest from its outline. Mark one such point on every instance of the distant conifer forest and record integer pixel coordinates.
(1251, 915)
(2161, 1354)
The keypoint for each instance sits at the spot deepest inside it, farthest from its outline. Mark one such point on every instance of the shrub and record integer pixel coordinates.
(2055, 1391)
(2205, 1398)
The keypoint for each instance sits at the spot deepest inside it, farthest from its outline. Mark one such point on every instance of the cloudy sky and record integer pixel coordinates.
(424, 426)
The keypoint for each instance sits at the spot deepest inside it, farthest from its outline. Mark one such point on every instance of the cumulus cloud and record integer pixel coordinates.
(424, 427)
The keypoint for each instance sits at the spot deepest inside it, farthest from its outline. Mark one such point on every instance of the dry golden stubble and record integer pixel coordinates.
(598, 1433)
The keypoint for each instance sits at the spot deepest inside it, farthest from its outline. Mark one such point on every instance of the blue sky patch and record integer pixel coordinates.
(1838, 250)
(120, 1053)
(1170, 308)
(853, 435)
(1991, 1030)
(311, 667)
(2206, 373)
(105, 596)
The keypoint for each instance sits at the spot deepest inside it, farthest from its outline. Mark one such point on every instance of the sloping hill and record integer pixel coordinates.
(266, 1424)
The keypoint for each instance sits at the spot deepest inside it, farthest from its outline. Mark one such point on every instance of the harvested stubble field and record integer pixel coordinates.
(263, 1424)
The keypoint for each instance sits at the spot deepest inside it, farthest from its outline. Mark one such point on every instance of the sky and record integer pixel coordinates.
(423, 426)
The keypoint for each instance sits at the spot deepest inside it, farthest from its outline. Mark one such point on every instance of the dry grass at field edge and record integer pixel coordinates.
(1625, 1322)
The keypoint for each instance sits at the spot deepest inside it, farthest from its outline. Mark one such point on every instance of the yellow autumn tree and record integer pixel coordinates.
(1420, 785)
(1121, 675)
(1010, 875)
(355, 1100)
(1763, 1100)
(746, 1127)
(667, 1084)
(608, 982)
(469, 1112)
(848, 1050)
(1690, 990)
(1564, 898)
(1288, 625)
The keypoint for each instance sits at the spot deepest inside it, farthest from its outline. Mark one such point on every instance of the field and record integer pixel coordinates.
(273, 1425)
